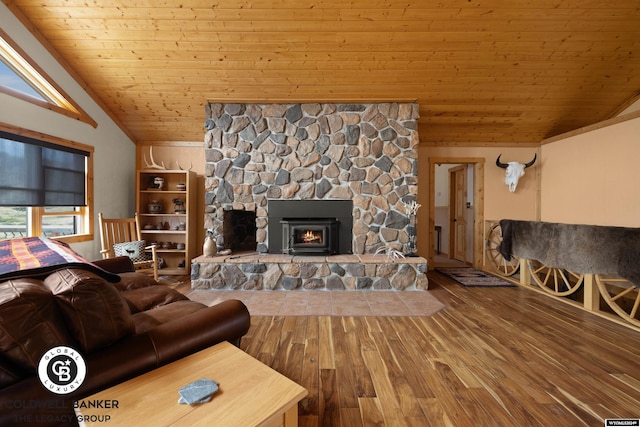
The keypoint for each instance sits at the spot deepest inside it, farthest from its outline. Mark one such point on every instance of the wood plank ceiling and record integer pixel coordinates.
(485, 72)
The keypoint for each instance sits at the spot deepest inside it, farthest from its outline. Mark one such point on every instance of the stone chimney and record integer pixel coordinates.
(366, 153)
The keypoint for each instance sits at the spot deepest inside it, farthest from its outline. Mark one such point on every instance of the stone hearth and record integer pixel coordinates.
(254, 271)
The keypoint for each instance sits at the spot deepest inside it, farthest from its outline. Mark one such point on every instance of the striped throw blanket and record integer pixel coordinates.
(37, 256)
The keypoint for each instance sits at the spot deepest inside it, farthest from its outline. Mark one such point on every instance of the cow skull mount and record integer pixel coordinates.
(514, 171)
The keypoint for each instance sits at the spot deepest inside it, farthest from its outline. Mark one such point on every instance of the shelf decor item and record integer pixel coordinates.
(178, 206)
(154, 207)
(158, 182)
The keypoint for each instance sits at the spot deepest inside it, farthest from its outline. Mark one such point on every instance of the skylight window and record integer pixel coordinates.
(21, 78)
(13, 80)
(31, 77)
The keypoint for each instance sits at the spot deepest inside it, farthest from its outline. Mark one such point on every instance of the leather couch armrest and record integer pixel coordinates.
(117, 265)
(227, 321)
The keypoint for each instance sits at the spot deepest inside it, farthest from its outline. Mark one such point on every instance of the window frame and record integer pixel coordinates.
(36, 214)
(32, 74)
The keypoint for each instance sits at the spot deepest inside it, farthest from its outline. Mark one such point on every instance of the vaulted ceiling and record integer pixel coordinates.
(483, 71)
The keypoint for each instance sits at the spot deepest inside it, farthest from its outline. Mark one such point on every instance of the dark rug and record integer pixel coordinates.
(468, 276)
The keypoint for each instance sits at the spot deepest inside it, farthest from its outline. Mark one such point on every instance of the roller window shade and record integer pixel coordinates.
(39, 173)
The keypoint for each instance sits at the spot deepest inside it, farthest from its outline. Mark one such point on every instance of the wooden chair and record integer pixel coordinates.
(122, 231)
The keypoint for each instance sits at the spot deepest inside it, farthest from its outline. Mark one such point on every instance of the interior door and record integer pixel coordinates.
(457, 212)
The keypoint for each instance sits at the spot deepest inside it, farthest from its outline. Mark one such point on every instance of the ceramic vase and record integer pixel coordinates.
(209, 247)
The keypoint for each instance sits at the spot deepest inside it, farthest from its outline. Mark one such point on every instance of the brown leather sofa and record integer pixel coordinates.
(120, 329)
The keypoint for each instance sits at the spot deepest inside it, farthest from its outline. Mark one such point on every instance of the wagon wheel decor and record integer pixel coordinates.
(498, 262)
(556, 281)
(622, 296)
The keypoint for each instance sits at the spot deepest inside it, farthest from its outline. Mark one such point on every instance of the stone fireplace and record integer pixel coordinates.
(365, 154)
(325, 184)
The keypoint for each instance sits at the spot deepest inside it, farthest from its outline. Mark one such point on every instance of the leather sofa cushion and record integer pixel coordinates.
(150, 297)
(149, 319)
(30, 323)
(9, 374)
(134, 280)
(94, 310)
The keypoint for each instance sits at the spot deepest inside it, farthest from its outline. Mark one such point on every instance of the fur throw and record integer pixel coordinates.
(582, 249)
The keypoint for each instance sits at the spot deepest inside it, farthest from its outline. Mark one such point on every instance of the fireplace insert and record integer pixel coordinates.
(311, 212)
(309, 236)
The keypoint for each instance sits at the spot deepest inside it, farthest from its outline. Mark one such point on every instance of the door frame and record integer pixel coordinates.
(478, 201)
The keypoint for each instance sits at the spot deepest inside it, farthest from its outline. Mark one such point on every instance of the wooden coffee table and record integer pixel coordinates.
(250, 394)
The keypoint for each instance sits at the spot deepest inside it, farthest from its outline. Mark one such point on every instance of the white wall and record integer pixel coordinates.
(442, 204)
(442, 184)
(114, 155)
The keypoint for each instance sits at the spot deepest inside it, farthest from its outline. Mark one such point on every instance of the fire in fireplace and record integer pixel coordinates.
(309, 236)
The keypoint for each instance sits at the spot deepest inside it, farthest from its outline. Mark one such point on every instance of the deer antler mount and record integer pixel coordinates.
(161, 166)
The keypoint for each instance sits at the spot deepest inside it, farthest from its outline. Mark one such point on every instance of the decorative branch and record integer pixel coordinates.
(412, 208)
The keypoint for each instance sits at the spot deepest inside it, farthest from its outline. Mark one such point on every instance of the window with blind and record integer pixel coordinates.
(37, 173)
(44, 188)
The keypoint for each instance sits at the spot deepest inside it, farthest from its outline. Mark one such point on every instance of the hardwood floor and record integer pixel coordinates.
(493, 357)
